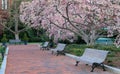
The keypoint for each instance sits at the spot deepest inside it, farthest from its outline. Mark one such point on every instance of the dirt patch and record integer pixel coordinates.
(114, 61)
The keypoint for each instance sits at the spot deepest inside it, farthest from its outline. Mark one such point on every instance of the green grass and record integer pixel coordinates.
(0, 61)
(74, 49)
(2, 50)
(78, 49)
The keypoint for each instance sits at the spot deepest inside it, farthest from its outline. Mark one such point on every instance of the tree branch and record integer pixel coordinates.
(3, 24)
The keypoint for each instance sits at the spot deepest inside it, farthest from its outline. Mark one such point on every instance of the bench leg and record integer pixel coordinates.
(86, 64)
(43, 48)
(76, 63)
(52, 52)
(94, 65)
(47, 48)
(102, 65)
(60, 53)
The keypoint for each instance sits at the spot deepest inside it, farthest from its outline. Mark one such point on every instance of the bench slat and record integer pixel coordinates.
(12, 41)
(95, 54)
(93, 57)
(59, 49)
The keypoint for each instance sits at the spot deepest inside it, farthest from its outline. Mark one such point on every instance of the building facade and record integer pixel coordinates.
(5, 4)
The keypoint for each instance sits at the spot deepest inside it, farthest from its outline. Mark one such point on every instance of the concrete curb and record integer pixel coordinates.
(4, 63)
(109, 68)
(113, 69)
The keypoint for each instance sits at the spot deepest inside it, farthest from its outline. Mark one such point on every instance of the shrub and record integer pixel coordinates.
(64, 41)
(25, 37)
(79, 40)
(74, 49)
(2, 51)
(35, 39)
(4, 38)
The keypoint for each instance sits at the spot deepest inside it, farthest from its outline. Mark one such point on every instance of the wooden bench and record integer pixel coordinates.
(92, 57)
(59, 49)
(15, 41)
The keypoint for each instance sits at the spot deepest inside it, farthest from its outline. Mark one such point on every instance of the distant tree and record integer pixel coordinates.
(3, 17)
(13, 23)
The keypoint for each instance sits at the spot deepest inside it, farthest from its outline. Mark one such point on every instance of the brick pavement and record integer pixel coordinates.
(28, 59)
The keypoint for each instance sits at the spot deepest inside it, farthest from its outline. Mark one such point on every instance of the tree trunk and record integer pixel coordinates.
(93, 37)
(89, 39)
(17, 36)
(86, 39)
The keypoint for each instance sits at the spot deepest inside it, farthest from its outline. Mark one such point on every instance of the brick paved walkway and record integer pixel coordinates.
(28, 59)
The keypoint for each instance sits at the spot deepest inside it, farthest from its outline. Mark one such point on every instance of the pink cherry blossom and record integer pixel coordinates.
(71, 18)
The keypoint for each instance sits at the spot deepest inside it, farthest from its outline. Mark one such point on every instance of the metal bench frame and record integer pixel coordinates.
(93, 57)
(59, 49)
(15, 41)
(44, 46)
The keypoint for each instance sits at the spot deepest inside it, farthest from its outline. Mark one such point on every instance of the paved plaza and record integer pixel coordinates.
(29, 59)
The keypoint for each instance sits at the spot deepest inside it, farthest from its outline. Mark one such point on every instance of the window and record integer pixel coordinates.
(4, 4)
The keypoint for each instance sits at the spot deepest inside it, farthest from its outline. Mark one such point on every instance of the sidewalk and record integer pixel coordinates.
(28, 59)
